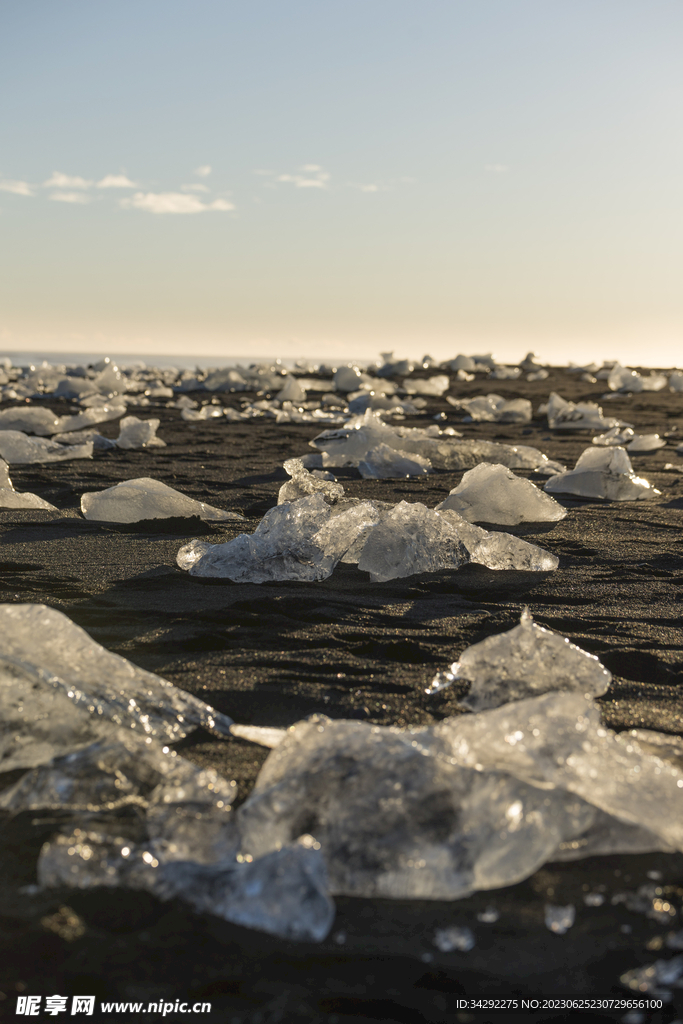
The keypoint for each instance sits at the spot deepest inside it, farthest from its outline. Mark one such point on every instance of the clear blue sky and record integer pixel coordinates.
(340, 178)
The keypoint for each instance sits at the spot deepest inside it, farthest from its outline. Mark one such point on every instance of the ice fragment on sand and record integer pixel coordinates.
(563, 415)
(384, 462)
(396, 819)
(192, 552)
(558, 740)
(304, 483)
(30, 420)
(283, 893)
(266, 736)
(494, 408)
(145, 498)
(137, 433)
(559, 919)
(646, 443)
(411, 539)
(53, 654)
(9, 498)
(523, 662)
(81, 436)
(456, 937)
(602, 473)
(282, 547)
(19, 449)
(432, 386)
(493, 494)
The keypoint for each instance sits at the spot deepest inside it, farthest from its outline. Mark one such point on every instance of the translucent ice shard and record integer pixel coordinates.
(283, 893)
(563, 415)
(56, 659)
(455, 937)
(282, 547)
(493, 494)
(501, 551)
(602, 473)
(455, 455)
(645, 443)
(292, 391)
(137, 433)
(384, 463)
(304, 483)
(89, 417)
(145, 498)
(432, 386)
(524, 662)
(556, 741)
(559, 919)
(30, 420)
(615, 436)
(9, 498)
(411, 539)
(496, 409)
(397, 819)
(19, 449)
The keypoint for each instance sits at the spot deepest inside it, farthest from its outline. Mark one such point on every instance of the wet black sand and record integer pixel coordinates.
(272, 654)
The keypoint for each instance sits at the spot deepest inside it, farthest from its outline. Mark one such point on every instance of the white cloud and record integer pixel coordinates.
(197, 187)
(172, 202)
(19, 188)
(496, 168)
(365, 188)
(59, 180)
(70, 197)
(314, 177)
(204, 171)
(116, 181)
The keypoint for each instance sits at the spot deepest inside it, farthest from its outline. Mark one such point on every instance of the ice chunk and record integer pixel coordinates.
(5, 481)
(501, 551)
(493, 494)
(265, 736)
(397, 819)
(282, 547)
(304, 483)
(137, 433)
(89, 417)
(52, 655)
(615, 436)
(525, 661)
(347, 378)
(30, 420)
(563, 415)
(82, 436)
(622, 379)
(456, 937)
(559, 919)
(645, 443)
(291, 392)
(190, 553)
(456, 455)
(145, 498)
(495, 409)
(676, 381)
(654, 978)
(384, 462)
(19, 449)
(283, 893)
(9, 498)
(432, 386)
(558, 741)
(207, 412)
(411, 539)
(605, 473)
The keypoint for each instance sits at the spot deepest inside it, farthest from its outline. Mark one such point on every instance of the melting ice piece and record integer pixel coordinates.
(496, 409)
(456, 937)
(558, 740)
(89, 417)
(303, 483)
(396, 818)
(53, 654)
(386, 463)
(501, 551)
(559, 919)
(467, 453)
(81, 436)
(9, 498)
(493, 494)
(30, 420)
(190, 553)
(563, 415)
(137, 433)
(432, 386)
(622, 379)
(524, 662)
(19, 449)
(606, 473)
(655, 978)
(676, 381)
(145, 498)
(265, 736)
(282, 547)
(615, 436)
(411, 539)
(645, 443)
(283, 893)
(291, 392)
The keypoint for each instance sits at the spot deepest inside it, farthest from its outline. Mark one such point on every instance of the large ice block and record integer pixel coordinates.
(411, 539)
(51, 654)
(145, 498)
(493, 494)
(563, 415)
(602, 473)
(523, 662)
(19, 449)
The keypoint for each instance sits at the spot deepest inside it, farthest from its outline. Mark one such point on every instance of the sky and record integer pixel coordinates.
(336, 178)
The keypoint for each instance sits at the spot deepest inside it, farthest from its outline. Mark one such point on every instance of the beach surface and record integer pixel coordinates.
(272, 654)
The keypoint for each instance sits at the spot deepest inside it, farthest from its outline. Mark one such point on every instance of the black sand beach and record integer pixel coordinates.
(275, 653)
